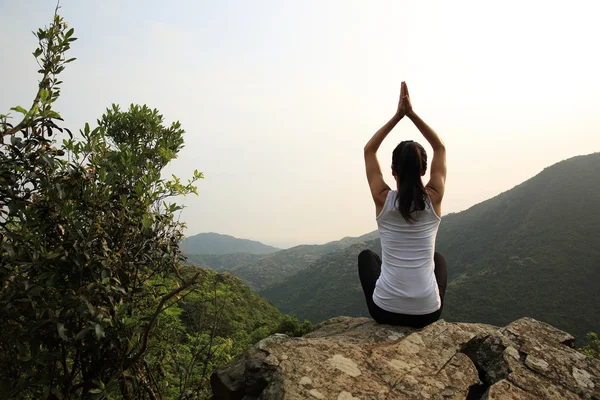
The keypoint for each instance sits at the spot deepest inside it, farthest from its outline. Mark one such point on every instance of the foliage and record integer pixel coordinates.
(288, 325)
(90, 257)
(592, 346)
(220, 319)
(95, 297)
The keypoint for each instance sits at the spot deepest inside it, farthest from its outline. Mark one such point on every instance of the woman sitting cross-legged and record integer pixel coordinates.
(406, 287)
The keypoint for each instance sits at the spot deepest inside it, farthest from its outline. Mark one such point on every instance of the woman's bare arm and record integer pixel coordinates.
(437, 181)
(379, 188)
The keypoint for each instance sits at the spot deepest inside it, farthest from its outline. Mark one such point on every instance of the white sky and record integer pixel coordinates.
(279, 97)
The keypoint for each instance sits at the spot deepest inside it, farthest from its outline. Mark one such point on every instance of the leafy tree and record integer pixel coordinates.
(90, 256)
(94, 295)
(592, 346)
(290, 326)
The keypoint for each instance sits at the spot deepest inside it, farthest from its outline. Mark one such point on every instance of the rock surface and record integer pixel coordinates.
(355, 358)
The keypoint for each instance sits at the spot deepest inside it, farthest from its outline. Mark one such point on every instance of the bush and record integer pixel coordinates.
(90, 257)
(289, 325)
(592, 346)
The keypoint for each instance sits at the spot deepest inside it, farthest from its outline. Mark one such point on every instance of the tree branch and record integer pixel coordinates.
(155, 316)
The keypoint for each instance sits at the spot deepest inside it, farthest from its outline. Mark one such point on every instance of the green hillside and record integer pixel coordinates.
(348, 241)
(261, 272)
(215, 243)
(234, 305)
(222, 262)
(531, 251)
(328, 288)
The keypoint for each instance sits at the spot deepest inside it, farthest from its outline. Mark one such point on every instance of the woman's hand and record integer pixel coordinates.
(401, 112)
(405, 106)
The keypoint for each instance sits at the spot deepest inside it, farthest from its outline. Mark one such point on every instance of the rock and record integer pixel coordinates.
(356, 358)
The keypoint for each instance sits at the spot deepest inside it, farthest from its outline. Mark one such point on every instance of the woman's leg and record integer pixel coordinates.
(441, 274)
(369, 269)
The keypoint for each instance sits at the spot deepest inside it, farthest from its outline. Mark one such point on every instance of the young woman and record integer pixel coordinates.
(406, 288)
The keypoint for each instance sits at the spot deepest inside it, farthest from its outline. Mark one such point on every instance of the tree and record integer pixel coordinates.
(592, 346)
(90, 255)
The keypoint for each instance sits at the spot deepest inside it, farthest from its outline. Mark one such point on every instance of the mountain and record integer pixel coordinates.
(222, 262)
(531, 251)
(329, 287)
(348, 241)
(261, 272)
(214, 243)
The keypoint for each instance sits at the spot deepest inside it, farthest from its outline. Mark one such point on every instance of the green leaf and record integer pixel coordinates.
(61, 331)
(99, 331)
(82, 334)
(37, 53)
(70, 33)
(19, 109)
(9, 247)
(54, 115)
(146, 221)
(44, 94)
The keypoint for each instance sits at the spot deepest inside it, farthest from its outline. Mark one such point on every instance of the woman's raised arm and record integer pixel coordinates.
(437, 181)
(379, 188)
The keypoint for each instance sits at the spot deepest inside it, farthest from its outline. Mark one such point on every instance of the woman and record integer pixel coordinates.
(408, 287)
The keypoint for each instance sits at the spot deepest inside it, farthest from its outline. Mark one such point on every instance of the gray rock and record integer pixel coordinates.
(356, 358)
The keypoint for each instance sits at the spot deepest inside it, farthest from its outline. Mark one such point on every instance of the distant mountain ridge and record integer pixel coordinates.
(215, 243)
(367, 237)
(262, 271)
(531, 251)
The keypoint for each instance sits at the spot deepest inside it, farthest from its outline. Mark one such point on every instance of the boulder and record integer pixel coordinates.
(355, 358)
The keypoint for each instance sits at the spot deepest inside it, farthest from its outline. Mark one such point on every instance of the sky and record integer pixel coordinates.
(278, 98)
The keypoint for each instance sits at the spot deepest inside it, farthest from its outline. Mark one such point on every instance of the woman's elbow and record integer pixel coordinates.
(439, 146)
(369, 149)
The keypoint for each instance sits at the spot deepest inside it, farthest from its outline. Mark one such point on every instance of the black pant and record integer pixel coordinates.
(369, 269)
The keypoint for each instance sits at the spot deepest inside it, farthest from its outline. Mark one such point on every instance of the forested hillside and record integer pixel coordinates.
(261, 272)
(329, 287)
(532, 251)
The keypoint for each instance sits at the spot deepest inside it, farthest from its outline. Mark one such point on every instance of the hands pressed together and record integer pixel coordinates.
(404, 105)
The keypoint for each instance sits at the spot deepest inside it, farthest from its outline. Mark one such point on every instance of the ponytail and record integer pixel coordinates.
(409, 161)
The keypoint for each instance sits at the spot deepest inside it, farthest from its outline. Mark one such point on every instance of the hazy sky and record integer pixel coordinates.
(278, 97)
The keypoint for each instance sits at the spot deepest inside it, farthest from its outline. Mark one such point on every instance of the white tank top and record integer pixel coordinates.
(407, 283)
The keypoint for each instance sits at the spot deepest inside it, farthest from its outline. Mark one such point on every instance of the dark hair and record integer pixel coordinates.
(409, 161)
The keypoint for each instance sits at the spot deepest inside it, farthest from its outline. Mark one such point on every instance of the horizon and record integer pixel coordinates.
(278, 99)
(364, 233)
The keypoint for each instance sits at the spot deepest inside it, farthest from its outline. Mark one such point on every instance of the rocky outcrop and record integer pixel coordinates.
(356, 358)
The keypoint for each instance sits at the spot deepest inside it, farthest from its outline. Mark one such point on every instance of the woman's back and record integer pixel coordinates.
(407, 283)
